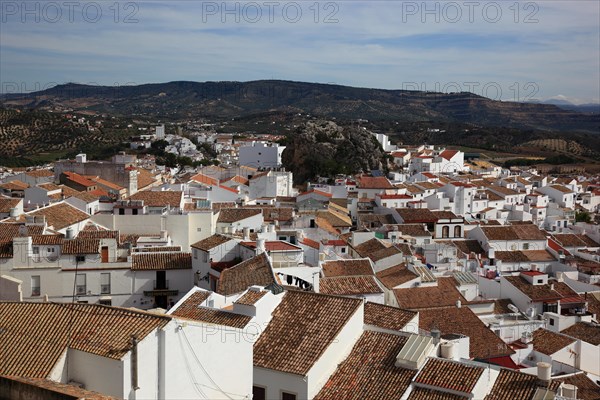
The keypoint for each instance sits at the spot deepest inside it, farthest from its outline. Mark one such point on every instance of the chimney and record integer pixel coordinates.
(13, 212)
(544, 373)
(458, 303)
(569, 391)
(436, 334)
(246, 233)
(260, 246)
(69, 233)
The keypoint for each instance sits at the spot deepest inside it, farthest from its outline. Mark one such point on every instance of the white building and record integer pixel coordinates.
(261, 155)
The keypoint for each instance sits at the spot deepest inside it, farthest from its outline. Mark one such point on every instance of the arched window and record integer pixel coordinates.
(445, 231)
(457, 232)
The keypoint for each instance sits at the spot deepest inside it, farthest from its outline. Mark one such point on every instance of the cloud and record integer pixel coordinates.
(376, 44)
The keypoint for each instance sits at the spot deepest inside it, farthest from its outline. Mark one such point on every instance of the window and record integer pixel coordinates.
(343, 250)
(288, 396)
(80, 286)
(105, 283)
(134, 211)
(259, 393)
(551, 321)
(105, 302)
(35, 285)
(36, 250)
(445, 231)
(205, 256)
(121, 211)
(80, 258)
(457, 231)
(195, 254)
(540, 281)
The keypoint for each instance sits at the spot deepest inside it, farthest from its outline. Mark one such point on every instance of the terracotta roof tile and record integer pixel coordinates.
(378, 182)
(349, 285)
(159, 199)
(160, 261)
(541, 292)
(548, 342)
(388, 317)
(303, 326)
(586, 331)
(192, 309)
(586, 388)
(513, 232)
(254, 271)
(419, 393)
(347, 268)
(60, 215)
(512, 385)
(449, 375)
(229, 215)
(395, 276)
(14, 185)
(81, 246)
(251, 297)
(211, 242)
(6, 203)
(100, 330)
(484, 343)
(369, 371)
(68, 392)
(443, 295)
(416, 215)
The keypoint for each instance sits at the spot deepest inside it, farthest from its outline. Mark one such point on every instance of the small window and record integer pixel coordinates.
(134, 211)
(106, 302)
(80, 258)
(50, 250)
(288, 396)
(525, 246)
(551, 321)
(35, 285)
(343, 249)
(80, 284)
(105, 283)
(259, 393)
(195, 254)
(121, 211)
(198, 229)
(36, 250)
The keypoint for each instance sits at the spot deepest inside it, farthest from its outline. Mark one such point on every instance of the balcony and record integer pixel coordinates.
(161, 288)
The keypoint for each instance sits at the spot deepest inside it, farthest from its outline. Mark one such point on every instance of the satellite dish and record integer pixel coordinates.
(512, 308)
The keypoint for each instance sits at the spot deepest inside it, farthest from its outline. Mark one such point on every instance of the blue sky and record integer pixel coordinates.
(504, 49)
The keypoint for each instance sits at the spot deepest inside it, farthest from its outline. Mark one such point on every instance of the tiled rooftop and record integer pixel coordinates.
(254, 271)
(159, 199)
(369, 371)
(449, 375)
(483, 342)
(211, 242)
(60, 215)
(347, 268)
(303, 326)
(512, 385)
(395, 276)
(442, 295)
(192, 309)
(95, 329)
(419, 393)
(586, 331)
(388, 317)
(349, 285)
(160, 261)
(229, 215)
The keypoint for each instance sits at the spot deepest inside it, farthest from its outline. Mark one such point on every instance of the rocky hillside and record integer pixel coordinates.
(184, 100)
(324, 148)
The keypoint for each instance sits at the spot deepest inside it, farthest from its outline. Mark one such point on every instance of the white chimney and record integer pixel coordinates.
(13, 212)
(544, 372)
(246, 233)
(458, 303)
(260, 246)
(448, 350)
(69, 233)
(569, 391)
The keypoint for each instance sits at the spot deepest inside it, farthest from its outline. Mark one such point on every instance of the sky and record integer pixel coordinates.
(508, 50)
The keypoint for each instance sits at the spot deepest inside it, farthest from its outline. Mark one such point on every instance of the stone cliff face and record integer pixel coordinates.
(322, 148)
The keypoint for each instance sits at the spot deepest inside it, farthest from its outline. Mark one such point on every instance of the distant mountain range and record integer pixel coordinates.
(186, 100)
(590, 108)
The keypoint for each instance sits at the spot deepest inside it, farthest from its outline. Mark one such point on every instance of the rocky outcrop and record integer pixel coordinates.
(322, 148)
